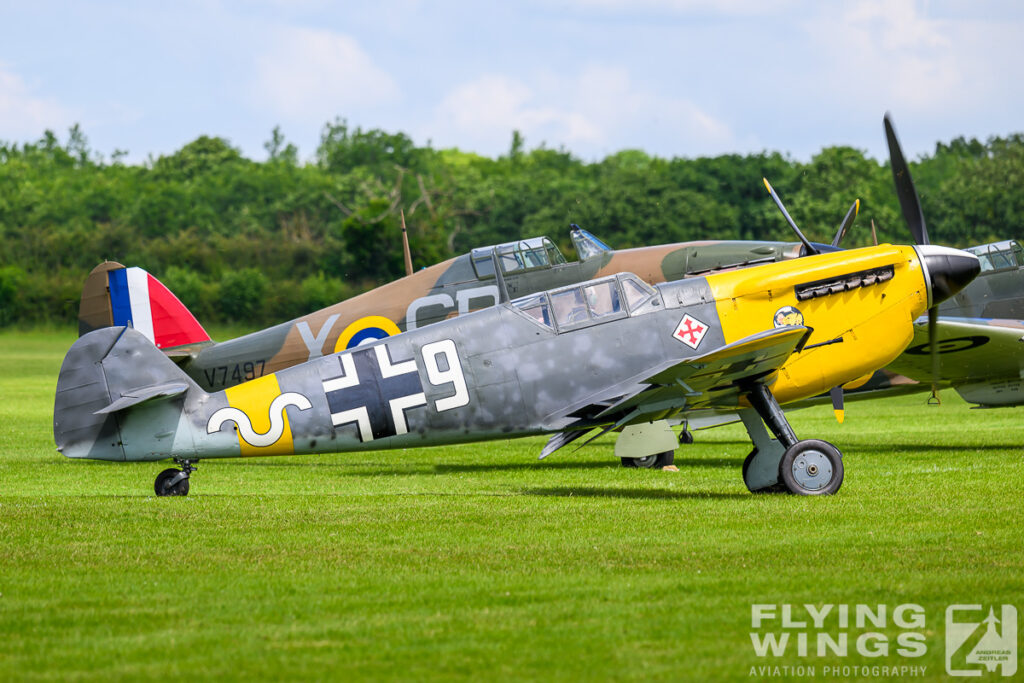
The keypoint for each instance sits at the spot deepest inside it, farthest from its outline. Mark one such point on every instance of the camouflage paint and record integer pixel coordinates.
(500, 372)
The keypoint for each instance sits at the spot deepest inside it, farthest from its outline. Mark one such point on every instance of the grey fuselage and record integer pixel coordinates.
(496, 373)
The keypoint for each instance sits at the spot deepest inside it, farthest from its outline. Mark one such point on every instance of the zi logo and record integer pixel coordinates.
(245, 428)
(975, 642)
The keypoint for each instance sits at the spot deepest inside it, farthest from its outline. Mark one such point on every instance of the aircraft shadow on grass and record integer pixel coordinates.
(531, 466)
(656, 494)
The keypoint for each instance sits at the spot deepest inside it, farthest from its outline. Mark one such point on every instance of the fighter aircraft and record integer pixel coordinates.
(115, 295)
(613, 354)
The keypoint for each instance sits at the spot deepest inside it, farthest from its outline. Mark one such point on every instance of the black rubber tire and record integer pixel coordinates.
(811, 468)
(686, 437)
(656, 461)
(162, 484)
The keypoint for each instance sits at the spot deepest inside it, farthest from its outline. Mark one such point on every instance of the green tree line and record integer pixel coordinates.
(265, 241)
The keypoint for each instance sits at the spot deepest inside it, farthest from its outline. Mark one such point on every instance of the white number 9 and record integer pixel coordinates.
(453, 375)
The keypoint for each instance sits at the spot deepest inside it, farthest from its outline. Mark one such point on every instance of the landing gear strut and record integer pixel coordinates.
(172, 482)
(685, 436)
(809, 468)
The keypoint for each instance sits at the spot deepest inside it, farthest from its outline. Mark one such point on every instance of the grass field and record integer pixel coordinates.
(479, 561)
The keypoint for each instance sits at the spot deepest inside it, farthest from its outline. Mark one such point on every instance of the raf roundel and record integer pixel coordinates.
(690, 331)
(364, 331)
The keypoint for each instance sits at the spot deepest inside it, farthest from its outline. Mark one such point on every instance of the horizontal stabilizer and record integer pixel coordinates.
(107, 371)
(136, 396)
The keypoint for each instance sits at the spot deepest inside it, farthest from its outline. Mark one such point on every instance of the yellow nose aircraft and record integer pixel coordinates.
(607, 354)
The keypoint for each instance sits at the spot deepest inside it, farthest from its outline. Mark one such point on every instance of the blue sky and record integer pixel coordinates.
(672, 77)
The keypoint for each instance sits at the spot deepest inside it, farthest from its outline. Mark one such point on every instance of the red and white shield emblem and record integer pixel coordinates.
(690, 331)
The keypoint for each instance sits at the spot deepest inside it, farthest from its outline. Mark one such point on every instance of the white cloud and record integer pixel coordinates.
(888, 50)
(494, 105)
(312, 75)
(712, 7)
(595, 112)
(24, 114)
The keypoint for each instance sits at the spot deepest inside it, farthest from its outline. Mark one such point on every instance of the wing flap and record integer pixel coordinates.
(707, 381)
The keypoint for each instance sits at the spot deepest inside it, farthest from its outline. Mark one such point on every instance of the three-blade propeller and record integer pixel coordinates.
(837, 392)
(810, 248)
(910, 204)
(851, 216)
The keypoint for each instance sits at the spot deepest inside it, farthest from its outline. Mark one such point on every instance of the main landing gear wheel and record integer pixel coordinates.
(811, 468)
(172, 482)
(656, 461)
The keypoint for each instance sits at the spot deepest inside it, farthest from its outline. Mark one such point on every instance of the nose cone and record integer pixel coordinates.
(947, 270)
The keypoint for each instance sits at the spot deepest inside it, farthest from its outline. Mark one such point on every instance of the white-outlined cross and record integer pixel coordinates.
(690, 331)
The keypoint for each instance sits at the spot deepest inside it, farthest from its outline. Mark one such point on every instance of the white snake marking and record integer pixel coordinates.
(245, 430)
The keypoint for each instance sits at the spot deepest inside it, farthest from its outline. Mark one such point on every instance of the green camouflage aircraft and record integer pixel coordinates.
(115, 295)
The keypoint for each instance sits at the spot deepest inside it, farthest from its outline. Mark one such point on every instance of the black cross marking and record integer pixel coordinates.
(373, 392)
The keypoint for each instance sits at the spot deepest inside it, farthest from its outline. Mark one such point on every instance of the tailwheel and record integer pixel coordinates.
(811, 468)
(174, 482)
(655, 461)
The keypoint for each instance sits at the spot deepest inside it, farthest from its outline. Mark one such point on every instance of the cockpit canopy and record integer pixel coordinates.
(587, 246)
(590, 303)
(998, 255)
(515, 257)
(533, 253)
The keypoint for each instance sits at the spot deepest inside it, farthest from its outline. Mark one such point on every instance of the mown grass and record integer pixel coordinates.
(479, 561)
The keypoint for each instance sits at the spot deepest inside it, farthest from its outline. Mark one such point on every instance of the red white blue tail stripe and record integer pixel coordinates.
(140, 300)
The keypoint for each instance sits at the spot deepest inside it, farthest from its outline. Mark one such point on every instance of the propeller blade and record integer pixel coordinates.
(909, 202)
(837, 403)
(778, 202)
(851, 216)
(933, 349)
(874, 235)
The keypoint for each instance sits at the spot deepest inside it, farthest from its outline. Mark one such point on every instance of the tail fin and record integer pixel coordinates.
(110, 370)
(114, 296)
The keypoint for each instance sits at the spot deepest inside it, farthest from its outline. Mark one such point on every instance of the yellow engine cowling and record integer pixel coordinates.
(867, 297)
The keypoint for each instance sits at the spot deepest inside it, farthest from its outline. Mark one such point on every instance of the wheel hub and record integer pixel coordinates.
(812, 470)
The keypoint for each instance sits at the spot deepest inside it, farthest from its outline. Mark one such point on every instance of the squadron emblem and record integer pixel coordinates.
(788, 315)
(690, 331)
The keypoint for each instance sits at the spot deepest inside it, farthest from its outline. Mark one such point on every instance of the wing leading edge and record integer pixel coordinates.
(713, 380)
